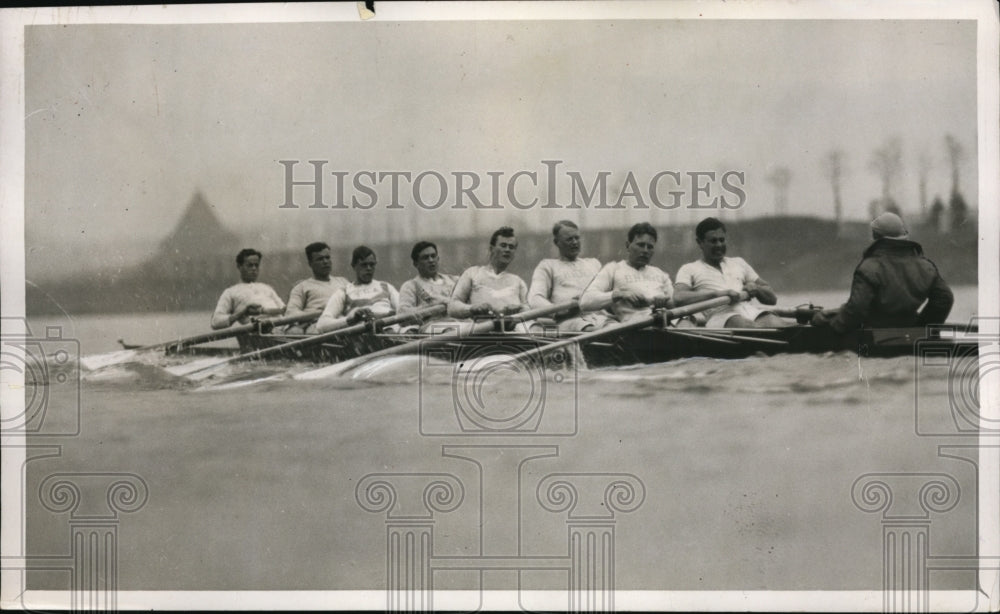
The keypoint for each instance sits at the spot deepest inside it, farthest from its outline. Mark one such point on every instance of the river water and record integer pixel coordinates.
(732, 475)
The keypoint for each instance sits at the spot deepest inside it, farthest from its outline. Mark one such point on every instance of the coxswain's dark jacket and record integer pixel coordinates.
(892, 281)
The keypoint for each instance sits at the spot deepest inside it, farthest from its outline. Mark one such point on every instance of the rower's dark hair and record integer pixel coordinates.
(246, 253)
(503, 231)
(313, 248)
(419, 247)
(642, 228)
(360, 253)
(560, 224)
(706, 226)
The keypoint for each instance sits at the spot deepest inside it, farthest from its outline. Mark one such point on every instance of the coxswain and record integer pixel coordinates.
(563, 279)
(890, 284)
(365, 299)
(313, 293)
(631, 286)
(489, 290)
(715, 275)
(249, 298)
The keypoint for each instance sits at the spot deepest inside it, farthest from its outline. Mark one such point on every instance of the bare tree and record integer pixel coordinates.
(833, 168)
(958, 208)
(780, 178)
(887, 163)
(956, 155)
(924, 165)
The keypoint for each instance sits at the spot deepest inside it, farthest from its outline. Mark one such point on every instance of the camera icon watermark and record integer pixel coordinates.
(487, 385)
(953, 370)
(50, 367)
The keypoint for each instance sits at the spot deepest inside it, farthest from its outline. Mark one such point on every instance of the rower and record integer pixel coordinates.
(716, 274)
(631, 286)
(364, 299)
(563, 279)
(489, 290)
(313, 293)
(430, 286)
(891, 282)
(249, 298)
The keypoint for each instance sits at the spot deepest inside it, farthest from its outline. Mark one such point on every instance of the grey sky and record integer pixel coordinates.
(125, 122)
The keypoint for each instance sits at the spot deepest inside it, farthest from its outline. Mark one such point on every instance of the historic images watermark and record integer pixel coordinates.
(35, 427)
(500, 407)
(458, 190)
(50, 367)
(960, 422)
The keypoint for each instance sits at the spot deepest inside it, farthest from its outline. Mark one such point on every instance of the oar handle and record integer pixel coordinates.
(362, 327)
(659, 315)
(233, 331)
(801, 314)
(479, 328)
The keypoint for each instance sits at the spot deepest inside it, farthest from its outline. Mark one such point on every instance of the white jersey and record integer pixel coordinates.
(557, 280)
(235, 298)
(648, 281)
(312, 294)
(418, 292)
(481, 284)
(378, 296)
(732, 274)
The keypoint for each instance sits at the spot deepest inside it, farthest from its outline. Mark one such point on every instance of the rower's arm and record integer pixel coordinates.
(279, 305)
(223, 317)
(855, 311)
(598, 293)
(393, 297)
(457, 306)
(408, 297)
(763, 292)
(333, 316)
(296, 300)
(685, 295)
(939, 302)
(541, 287)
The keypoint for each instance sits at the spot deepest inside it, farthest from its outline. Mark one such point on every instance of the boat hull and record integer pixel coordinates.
(654, 345)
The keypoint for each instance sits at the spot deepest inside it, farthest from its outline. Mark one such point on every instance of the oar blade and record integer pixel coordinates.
(108, 359)
(196, 370)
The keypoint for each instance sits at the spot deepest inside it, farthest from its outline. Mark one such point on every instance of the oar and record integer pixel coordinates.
(801, 314)
(201, 369)
(724, 336)
(478, 328)
(683, 333)
(667, 314)
(98, 361)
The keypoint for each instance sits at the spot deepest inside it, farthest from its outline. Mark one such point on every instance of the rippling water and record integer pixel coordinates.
(746, 467)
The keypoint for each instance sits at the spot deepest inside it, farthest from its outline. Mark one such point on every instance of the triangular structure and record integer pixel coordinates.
(199, 233)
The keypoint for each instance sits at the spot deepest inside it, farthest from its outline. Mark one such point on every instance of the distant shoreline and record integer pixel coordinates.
(794, 254)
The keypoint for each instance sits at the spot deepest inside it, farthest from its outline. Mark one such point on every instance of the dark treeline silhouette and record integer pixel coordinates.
(793, 253)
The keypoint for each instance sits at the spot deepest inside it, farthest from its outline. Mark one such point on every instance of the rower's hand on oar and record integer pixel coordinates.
(362, 314)
(376, 325)
(633, 298)
(510, 310)
(662, 302)
(823, 317)
(480, 310)
(734, 295)
(264, 326)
